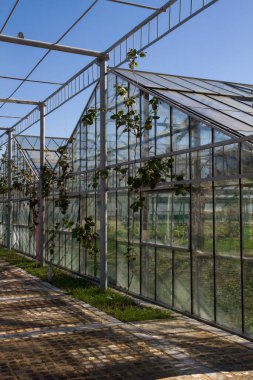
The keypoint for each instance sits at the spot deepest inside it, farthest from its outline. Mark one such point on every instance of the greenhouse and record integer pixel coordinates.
(188, 246)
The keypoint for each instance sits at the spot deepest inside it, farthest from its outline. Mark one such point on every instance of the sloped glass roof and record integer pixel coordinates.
(30, 146)
(226, 103)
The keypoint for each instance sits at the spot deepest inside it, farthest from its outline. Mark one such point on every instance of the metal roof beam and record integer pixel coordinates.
(30, 80)
(50, 46)
(134, 4)
(20, 101)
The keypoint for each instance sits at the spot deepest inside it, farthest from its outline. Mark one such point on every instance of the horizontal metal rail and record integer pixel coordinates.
(133, 4)
(30, 80)
(160, 23)
(50, 46)
(20, 101)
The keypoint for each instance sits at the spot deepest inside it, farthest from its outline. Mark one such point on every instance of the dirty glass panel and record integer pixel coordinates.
(122, 137)
(90, 263)
(220, 136)
(181, 165)
(163, 129)
(75, 255)
(247, 158)
(227, 260)
(111, 125)
(247, 218)
(182, 280)
(122, 265)
(201, 134)
(68, 250)
(134, 269)
(91, 146)
(163, 218)
(201, 164)
(148, 272)
(134, 222)
(111, 235)
(226, 160)
(148, 136)
(180, 130)
(122, 217)
(180, 220)
(202, 251)
(149, 217)
(134, 138)
(164, 275)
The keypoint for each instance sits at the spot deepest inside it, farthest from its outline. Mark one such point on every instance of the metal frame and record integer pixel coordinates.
(50, 46)
(139, 38)
(97, 70)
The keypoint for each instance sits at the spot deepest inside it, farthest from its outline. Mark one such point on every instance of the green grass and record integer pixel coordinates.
(119, 306)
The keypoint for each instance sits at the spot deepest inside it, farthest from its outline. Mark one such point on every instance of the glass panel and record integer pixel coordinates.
(163, 129)
(220, 136)
(134, 142)
(122, 217)
(247, 217)
(134, 223)
(111, 235)
(247, 158)
(202, 246)
(164, 276)
(148, 272)
(201, 134)
(180, 130)
(182, 281)
(226, 160)
(149, 214)
(181, 165)
(122, 137)
(180, 222)
(122, 265)
(201, 164)
(228, 274)
(163, 218)
(134, 270)
(148, 136)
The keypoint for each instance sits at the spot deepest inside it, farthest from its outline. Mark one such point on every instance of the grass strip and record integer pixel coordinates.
(112, 302)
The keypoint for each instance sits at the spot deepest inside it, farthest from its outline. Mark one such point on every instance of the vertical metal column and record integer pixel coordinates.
(41, 237)
(9, 168)
(102, 188)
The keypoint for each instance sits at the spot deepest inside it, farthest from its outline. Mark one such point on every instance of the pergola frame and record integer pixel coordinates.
(101, 61)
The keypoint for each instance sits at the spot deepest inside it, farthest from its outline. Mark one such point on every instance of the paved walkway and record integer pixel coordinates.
(45, 334)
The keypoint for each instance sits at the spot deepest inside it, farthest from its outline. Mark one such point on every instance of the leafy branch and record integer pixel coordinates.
(132, 56)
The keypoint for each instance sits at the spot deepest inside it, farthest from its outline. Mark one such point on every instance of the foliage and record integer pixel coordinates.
(89, 117)
(85, 234)
(150, 175)
(3, 185)
(62, 180)
(132, 56)
(129, 117)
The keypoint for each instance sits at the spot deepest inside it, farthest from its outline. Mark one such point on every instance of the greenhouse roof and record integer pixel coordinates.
(226, 104)
(30, 146)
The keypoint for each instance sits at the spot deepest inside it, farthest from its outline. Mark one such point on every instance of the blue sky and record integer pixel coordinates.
(216, 44)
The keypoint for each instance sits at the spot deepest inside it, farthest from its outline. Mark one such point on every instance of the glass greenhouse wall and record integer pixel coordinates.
(193, 252)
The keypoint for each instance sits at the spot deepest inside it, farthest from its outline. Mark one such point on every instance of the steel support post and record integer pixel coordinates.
(41, 234)
(9, 205)
(103, 184)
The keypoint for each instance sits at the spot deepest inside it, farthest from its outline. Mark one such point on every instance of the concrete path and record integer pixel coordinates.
(45, 334)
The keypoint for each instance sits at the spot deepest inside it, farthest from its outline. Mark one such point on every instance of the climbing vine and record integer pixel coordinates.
(132, 57)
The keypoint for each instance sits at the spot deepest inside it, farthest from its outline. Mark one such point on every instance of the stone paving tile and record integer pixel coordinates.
(47, 335)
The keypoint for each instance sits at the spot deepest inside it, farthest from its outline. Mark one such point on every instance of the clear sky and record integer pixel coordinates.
(216, 44)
